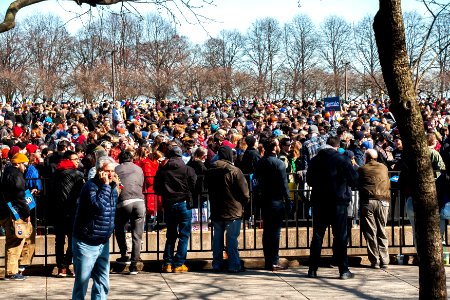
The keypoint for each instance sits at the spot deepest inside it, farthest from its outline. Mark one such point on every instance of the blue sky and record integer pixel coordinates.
(231, 14)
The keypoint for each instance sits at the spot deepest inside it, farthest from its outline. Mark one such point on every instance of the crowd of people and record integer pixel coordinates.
(113, 163)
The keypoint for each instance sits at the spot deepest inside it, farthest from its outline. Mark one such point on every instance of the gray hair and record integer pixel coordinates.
(200, 152)
(103, 161)
(371, 154)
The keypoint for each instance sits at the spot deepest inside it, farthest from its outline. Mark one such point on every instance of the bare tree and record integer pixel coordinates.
(164, 54)
(367, 56)
(13, 65)
(300, 45)
(48, 44)
(336, 47)
(262, 49)
(224, 53)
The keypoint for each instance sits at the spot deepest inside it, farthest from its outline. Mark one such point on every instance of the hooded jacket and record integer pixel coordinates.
(175, 181)
(249, 159)
(228, 191)
(330, 174)
(271, 178)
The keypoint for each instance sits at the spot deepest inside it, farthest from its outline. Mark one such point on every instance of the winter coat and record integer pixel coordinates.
(228, 191)
(271, 178)
(96, 208)
(175, 181)
(33, 179)
(443, 189)
(330, 174)
(153, 201)
(66, 185)
(200, 169)
(13, 188)
(373, 183)
(249, 159)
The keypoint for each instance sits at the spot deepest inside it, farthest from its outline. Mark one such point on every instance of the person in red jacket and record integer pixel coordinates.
(149, 162)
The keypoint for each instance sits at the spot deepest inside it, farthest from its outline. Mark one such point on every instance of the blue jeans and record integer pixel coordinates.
(322, 218)
(409, 208)
(178, 219)
(233, 228)
(90, 262)
(272, 215)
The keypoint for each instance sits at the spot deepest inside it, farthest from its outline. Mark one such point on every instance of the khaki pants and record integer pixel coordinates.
(13, 247)
(28, 249)
(374, 217)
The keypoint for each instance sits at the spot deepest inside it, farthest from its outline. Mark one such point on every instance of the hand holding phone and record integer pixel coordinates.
(104, 177)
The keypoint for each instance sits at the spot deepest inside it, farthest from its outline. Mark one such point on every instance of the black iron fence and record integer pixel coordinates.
(296, 231)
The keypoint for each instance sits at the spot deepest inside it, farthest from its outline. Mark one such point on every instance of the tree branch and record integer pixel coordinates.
(9, 22)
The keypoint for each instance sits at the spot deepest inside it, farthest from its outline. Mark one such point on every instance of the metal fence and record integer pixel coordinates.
(296, 231)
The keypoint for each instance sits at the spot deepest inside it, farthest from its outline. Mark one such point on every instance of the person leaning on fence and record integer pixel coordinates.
(273, 193)
(13, 188)
(130, 208)
(375, 196)
(66, 184)
(329, 175)
(175, 182)
(229, 193)
(93, 226)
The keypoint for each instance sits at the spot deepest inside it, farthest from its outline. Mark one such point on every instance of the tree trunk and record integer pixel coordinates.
(390, 37)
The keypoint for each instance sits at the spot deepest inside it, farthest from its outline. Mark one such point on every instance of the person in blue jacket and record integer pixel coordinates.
(93, 226)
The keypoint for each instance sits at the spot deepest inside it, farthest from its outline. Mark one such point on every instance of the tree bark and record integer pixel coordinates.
(390, 38)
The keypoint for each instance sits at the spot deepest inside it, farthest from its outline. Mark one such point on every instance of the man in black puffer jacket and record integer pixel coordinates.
(66, 186)
(330, 174)
(175, 182)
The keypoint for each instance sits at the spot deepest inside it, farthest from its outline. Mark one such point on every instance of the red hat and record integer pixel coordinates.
(13, 151)
(31, 148)
(5, 153)
(17, 131)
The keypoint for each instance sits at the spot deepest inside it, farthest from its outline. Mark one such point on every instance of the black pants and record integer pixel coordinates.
(63, 228)
(273, 215)
(337, 218)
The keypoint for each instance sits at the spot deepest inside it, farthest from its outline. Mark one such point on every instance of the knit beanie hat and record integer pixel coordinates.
(31, 148)
(13, 151)
(19, 158)
(17, 131)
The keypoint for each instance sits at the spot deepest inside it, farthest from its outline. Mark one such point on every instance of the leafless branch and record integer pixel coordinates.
(9, 22)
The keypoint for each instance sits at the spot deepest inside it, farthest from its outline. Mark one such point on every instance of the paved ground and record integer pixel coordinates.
(399, 282)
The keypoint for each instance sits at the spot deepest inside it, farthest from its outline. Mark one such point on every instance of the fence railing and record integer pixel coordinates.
(296, 231)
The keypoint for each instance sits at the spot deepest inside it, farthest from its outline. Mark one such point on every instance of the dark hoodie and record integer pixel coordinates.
(330, 174)
(227, 188)
(175, 181)
(66, 186)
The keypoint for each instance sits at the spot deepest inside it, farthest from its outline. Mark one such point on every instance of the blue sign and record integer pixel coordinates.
(30, 201)
(332, 104)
